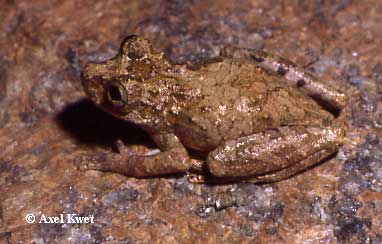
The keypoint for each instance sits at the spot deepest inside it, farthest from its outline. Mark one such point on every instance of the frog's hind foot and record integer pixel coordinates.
(196, 178)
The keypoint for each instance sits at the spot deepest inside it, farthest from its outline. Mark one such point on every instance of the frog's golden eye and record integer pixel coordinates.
(116, 94)
(136, 47)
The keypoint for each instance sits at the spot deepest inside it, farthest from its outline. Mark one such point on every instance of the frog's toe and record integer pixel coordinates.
(85, 162)
(94, 161)
(87, 165)
(196, 178)
(121, 147)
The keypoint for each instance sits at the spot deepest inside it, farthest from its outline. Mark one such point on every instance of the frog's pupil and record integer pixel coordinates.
(134, 55)
(114, 93)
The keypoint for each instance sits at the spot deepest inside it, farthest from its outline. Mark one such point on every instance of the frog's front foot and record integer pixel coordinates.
(99, 161)
(172, 160)
(85, 163)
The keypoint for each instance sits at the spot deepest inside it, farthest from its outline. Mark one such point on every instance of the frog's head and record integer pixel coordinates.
(128, 85)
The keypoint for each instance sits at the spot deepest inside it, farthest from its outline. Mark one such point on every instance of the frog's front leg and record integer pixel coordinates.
(293, 74)
(274, 154)
(173, 158)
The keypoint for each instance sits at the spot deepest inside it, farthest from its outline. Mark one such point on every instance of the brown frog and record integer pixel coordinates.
(254, 117)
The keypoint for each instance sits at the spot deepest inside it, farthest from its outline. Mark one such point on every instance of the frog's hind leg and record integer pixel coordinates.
(274, 154)
(294, 75)
(199, 178)
(292, 170)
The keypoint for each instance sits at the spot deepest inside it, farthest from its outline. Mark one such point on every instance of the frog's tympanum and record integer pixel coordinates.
(253, 116)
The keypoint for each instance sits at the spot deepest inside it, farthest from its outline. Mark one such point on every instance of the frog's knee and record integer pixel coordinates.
(216, 168)
(337, 134)
(334, 136)
(220, 164)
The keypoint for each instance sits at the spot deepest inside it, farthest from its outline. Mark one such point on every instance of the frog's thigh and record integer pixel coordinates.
(302, 79)
(293, 74)
(274, 154)
(172, 159)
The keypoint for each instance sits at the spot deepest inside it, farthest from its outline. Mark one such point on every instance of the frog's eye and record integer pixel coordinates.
(136, 47)
(116, 94)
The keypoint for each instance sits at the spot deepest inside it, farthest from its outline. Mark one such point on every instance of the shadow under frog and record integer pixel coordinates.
(251, 114)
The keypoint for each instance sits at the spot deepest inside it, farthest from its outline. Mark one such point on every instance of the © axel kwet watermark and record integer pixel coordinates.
(59, 219)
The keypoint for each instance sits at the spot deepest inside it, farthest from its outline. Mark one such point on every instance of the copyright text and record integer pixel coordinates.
(60, 219)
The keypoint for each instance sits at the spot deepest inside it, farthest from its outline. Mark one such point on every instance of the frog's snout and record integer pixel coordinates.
(92, 78)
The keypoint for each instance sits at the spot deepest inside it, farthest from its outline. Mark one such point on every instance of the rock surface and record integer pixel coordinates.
(46, 124)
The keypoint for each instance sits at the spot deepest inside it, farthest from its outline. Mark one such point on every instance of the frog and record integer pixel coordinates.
(249, 115)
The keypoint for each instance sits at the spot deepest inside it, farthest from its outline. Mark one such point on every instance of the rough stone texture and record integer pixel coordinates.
(46, 123)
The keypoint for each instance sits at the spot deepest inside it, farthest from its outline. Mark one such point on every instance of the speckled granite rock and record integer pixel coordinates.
(46, 124)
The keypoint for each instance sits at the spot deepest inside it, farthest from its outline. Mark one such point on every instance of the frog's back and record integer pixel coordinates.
(239, 99)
